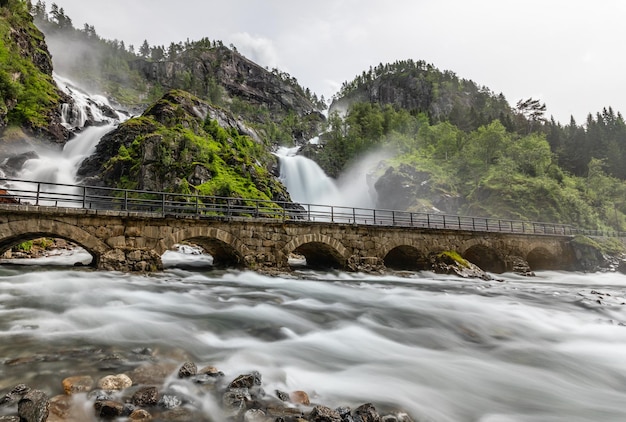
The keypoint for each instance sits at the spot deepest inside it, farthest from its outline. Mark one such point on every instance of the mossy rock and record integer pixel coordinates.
(451, 262)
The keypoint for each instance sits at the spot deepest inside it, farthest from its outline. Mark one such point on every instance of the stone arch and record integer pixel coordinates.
(319, 250)
(485, 256)
(540, 258)
(225, 248)
(404, 254)
(23, 230)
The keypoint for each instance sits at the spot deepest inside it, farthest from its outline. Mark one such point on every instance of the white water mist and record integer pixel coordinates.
(307, 183)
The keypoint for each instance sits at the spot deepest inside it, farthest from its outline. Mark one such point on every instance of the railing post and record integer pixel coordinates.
(125, 200)
(374, 217)
(228, 209)
(163, 203)
(444, 221)
(197, 206)
(84, 197)
(486, 224)
(284, 214)
(38, 191)
(499, 225)
(459, 218)
(332, 214)
(411, 218)
(308, 206)
(428, 220)
(473, 224)
(353, 216)
(393, 218)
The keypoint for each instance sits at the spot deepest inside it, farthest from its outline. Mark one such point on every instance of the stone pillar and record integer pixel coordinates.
(130, 260)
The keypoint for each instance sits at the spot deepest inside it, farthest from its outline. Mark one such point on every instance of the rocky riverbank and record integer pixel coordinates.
(166, 391)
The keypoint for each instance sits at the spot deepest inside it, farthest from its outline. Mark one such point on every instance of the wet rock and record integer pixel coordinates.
(398, 417)
(100, 395)
(345, 413)
(246, 381)
(33, 407)
(189, 369)
(282, 395)
(366, 413)
(324, 414)
(14, 395)
(450, 262)
(520, 266)
(9, 419)
(170, 401)
(210, 371)
(145, 396)
(140, 415)
(77, 384)
(256, 415)
(300, 397)
(234, 400)
(109, 409)
(115, 382)
(61, 406)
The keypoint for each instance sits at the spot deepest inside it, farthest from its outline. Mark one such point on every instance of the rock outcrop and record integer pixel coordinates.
(223, 75)
(29, 99)
(184, 145)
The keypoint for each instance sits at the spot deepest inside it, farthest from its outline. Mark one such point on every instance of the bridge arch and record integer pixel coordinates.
(540, 258)
(485, 256)
(404, 254)
(23, 230)
(319, 250)
(225, 248)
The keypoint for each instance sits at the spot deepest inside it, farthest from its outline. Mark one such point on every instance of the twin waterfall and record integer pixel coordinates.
(305, 181)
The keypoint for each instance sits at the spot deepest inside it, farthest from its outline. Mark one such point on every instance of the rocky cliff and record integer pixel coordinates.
(223, 76)
(182, 144)
(29, 99)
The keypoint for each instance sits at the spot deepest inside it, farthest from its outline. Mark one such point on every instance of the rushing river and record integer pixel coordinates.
(549, 348)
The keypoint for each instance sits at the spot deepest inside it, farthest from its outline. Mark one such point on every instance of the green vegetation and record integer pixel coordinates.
(28, 95)
(514, 165)
(171, 149)
(453, 257)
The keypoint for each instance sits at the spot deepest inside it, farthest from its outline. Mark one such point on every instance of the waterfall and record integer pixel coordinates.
(90, 117)
(307, 183)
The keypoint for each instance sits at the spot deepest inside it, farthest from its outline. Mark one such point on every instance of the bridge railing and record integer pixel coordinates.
(198, 206)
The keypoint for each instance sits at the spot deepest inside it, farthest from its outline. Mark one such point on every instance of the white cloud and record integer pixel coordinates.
(258, 49)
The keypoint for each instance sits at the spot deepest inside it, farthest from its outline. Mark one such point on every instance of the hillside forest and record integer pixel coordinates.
(456, 147)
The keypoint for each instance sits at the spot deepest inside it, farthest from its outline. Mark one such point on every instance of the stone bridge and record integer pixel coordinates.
(135, 241)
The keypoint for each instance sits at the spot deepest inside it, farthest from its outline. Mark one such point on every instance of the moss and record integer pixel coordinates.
(165, 147)
(453, 257)
(612, 246)
(31, 91)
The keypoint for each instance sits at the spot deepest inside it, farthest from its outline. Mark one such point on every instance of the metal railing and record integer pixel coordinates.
(166, 204)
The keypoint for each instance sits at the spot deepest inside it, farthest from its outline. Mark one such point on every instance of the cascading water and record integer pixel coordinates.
(307, 183)
(60, 166)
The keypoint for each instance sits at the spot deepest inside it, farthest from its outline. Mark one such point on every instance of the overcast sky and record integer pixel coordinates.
(567, 53)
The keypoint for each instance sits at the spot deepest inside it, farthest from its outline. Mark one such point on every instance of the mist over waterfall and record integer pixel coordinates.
(307, 183)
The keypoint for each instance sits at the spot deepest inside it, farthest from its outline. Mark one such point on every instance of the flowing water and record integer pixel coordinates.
(549, 348)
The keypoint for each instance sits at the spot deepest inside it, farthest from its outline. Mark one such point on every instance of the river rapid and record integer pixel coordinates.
(548, 348)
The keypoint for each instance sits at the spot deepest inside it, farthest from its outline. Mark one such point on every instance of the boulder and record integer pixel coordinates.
(115, 382)
(34, 407)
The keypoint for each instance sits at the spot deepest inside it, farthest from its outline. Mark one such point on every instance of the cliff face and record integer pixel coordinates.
(226, 77)
(29, 99)
(182, 144)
